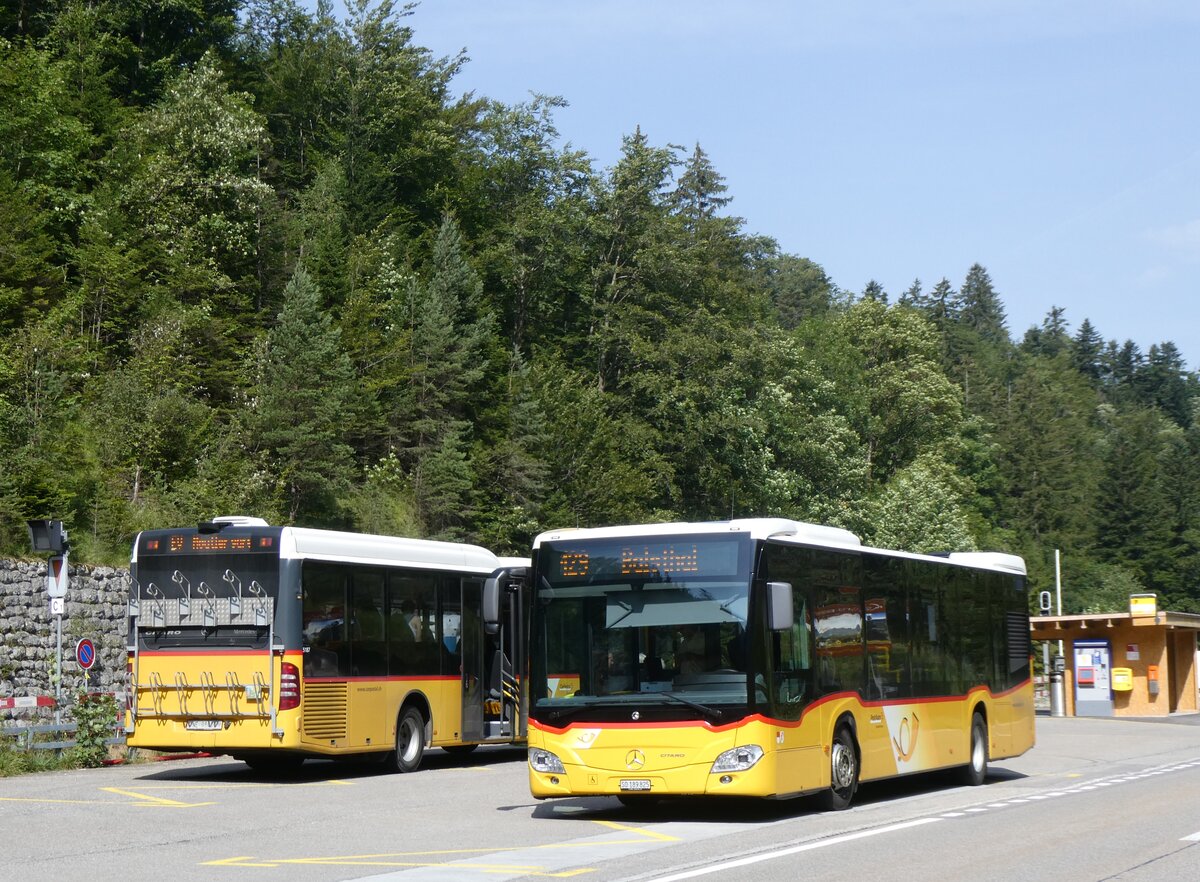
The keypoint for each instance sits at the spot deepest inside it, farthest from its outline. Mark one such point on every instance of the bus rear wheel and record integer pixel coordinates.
(843, 769)
(410, 741)
(975, 771)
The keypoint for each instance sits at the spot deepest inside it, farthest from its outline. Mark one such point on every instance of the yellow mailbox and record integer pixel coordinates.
(1122, 679)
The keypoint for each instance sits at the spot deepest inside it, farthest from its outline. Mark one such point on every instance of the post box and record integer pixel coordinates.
(1122, 679)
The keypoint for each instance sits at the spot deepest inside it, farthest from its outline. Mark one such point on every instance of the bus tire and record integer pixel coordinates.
(410, 741)
(975, 771)
(843, 772)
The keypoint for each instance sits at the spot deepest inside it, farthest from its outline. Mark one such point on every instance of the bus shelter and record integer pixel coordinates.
(1127, 664)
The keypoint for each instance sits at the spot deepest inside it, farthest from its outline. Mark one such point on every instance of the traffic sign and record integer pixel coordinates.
(56, 576)
(85, 653)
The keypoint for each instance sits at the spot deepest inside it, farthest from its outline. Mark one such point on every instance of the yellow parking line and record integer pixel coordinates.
(641, 831)
(237, 785)
(155, 801)
(439, 858)
(395, 861)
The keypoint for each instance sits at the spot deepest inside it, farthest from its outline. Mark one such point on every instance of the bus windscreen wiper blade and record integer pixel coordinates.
(714, 712)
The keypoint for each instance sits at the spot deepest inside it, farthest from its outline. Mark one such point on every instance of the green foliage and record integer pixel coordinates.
(15, 760)
(95, 714)
(258, 259)
(304, 383)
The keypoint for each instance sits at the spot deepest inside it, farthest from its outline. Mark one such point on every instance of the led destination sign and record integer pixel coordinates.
(660, 559)
(206, 543)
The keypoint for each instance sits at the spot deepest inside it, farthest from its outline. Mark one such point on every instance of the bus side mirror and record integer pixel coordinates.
(500, 581)
(779, 606)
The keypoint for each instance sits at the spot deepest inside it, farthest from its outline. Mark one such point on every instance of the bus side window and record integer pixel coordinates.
(368, 655)
(324, 592)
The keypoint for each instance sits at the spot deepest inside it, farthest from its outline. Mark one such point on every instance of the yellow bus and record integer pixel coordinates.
(768, 658)
(272, 644)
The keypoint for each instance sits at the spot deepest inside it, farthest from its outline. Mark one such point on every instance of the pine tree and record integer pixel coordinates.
(450, 335)
(980, 308)
(632, 270)
(1163, 382)
(1087, 352)
(304, 386)
(1051, 338)
(874, 291)
(912, 296)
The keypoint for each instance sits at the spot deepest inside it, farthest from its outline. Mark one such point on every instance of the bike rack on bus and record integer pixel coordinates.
(256, 609)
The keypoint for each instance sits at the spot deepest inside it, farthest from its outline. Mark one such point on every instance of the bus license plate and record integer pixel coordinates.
(635, 783)
(204, 725)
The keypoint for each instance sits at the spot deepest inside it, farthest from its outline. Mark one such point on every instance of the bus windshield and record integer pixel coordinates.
(656, 622)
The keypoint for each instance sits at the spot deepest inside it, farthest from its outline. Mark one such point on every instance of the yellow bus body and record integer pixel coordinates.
(215, 701)
(676, 759)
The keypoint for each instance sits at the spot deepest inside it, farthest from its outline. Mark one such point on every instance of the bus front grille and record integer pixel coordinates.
(325, 710)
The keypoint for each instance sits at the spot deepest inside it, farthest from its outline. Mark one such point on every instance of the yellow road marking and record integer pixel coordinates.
(661, 837)
(155, 801)
(438, 858)
(394, 860)
(239, 785)
(244, 861)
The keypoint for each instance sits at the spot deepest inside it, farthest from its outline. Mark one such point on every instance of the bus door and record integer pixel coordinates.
(502, 653)
(472, 649)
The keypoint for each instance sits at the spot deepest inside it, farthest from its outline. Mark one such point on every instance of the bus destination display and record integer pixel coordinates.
(205, 543)
(670, 558)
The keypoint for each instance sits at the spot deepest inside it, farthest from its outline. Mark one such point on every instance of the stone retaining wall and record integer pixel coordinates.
(96, 605)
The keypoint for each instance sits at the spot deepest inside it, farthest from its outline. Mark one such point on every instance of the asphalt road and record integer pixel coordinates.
(1096, 799)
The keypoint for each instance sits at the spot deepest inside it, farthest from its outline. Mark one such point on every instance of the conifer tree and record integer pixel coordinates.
(874, 291)
(304, 385)
(1087, 351)
(980, 308)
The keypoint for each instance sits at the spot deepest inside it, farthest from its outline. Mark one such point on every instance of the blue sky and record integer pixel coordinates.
(1056, 143)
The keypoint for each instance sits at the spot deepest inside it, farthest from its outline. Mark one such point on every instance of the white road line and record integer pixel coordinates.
(1195, 837)
(784, 852)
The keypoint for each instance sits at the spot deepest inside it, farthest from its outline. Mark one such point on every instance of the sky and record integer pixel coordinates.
(1055, 142)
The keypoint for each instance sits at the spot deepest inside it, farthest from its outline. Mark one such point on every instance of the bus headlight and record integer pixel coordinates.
(544, 761)
(739, 759)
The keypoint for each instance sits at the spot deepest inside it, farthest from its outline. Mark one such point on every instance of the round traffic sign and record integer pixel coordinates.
(85, 653)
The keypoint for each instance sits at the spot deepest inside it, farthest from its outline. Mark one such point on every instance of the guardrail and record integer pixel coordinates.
(26, 737)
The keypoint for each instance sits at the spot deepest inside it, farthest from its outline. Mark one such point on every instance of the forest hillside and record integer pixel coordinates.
(258, 259)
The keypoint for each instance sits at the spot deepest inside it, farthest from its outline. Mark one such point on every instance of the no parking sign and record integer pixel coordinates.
(85, 653)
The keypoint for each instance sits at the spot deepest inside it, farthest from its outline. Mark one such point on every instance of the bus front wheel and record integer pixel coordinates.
(410, 741)
(975, 770)
(843, 768)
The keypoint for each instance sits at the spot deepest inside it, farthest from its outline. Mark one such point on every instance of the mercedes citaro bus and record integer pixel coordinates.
(768, 658)
(271, 644)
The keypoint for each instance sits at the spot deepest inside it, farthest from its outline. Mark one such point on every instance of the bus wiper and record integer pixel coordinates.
(715, 712)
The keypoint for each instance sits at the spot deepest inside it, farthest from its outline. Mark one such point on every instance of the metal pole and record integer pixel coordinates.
(58, 673)
(1058, 698)
(1058, 590)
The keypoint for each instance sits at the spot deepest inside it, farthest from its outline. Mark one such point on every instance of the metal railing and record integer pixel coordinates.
(28, 737)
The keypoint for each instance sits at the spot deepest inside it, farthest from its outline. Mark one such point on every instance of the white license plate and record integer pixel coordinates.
(204, 725)
(635, 783)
